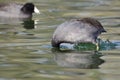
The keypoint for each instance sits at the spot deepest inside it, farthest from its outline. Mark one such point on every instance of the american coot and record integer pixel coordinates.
(77, 31)
(15, 10)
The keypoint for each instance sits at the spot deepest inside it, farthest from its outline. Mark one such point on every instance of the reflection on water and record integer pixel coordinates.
(13, 21)
(77, 59)
(29, 24)
(25, 44)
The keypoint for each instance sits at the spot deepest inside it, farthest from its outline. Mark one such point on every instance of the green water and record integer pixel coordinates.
(25, 46)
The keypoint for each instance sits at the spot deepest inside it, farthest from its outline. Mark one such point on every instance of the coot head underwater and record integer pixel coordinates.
(77, 31)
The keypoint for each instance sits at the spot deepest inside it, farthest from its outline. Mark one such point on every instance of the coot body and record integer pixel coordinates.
(77, 31)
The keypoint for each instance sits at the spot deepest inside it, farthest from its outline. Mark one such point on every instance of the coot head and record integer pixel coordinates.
(29, 8)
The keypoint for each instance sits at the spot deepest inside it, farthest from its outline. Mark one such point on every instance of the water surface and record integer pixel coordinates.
(26, 52)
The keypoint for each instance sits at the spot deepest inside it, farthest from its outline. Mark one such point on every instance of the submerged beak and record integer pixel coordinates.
(36, 10)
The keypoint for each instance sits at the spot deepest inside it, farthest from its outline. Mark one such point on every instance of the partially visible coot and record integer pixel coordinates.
(77, 31)
(15, 10)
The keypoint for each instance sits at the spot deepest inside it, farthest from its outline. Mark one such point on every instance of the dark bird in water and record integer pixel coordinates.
(15, 10)
(83, 30)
